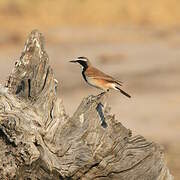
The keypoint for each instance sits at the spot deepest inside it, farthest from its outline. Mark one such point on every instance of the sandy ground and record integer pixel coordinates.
(146, 61)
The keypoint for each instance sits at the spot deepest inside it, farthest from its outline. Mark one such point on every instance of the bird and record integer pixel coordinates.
(98, 79)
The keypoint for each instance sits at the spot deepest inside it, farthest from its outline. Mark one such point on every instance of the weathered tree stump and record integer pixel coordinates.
(39, 141)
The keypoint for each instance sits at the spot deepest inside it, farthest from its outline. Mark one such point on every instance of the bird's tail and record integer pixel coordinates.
(123, 92)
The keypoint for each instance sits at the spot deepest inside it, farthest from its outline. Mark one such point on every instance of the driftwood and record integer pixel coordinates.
(39, 141)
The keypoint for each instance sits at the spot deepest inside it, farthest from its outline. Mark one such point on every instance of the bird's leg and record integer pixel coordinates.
(101, 94)
(97, 97)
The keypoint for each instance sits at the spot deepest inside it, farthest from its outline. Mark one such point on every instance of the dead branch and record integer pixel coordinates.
(39, 141)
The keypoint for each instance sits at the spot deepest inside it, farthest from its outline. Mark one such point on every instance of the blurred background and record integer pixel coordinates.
(138, 42)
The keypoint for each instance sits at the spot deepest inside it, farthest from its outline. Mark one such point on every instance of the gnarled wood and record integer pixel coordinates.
(39, 141)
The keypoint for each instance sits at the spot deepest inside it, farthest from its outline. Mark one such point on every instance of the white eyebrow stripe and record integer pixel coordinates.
(81, 59)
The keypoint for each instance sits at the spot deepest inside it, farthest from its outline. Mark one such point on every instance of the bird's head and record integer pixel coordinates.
(83, 61)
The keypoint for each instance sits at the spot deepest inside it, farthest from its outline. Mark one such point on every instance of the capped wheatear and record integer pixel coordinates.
(97, 78)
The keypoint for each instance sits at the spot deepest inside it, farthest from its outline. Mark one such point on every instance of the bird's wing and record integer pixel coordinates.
(94, 73)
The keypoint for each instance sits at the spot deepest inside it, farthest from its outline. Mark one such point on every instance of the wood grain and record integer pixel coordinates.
(38, 140)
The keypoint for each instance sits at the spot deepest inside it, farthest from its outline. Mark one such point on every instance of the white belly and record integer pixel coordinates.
(93, 82)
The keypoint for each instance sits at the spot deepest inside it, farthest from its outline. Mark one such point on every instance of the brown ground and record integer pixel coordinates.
(146, 60)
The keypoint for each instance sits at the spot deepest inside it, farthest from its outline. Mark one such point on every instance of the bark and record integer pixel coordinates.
(38, 140)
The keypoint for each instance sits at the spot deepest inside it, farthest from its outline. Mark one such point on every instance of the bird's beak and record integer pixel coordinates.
(74, 61)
